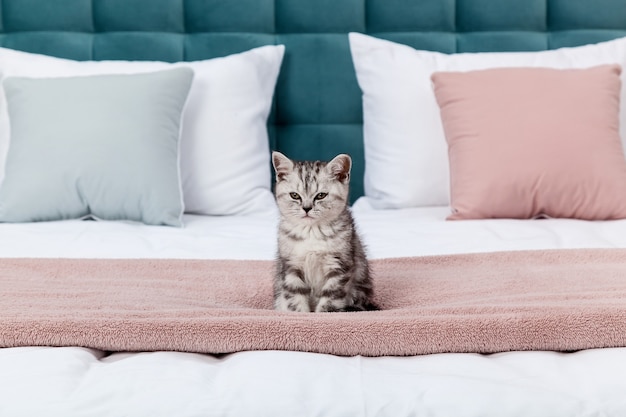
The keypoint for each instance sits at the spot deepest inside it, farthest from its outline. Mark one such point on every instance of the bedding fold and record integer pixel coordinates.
(560, 300)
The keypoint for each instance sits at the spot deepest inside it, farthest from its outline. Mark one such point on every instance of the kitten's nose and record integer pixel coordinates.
(307, 209)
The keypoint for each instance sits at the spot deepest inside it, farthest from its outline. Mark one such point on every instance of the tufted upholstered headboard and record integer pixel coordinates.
(317, 110)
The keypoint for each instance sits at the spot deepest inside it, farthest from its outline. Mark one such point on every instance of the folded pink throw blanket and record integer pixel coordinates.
(533, 300)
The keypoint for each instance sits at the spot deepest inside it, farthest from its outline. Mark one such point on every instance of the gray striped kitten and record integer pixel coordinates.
(321, 263)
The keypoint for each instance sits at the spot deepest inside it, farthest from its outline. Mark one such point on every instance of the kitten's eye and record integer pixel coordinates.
(295, 196)
(321, 196)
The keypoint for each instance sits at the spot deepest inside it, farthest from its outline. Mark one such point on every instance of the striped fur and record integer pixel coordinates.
(321, 264)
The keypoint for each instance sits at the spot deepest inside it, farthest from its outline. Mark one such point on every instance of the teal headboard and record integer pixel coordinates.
(317, 111)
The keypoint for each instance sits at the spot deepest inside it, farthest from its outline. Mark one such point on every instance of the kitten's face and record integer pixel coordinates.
(311, 192)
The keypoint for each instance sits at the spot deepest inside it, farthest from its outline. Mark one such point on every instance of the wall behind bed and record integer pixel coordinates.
(317, 110)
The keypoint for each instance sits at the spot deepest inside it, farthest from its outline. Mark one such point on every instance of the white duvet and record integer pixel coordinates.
(83, 382)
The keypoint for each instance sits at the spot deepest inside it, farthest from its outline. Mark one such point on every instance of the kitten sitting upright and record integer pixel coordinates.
(321, 263)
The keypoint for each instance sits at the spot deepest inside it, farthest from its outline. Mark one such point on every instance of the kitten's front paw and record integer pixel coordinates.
(297, 304)
(327, 306)
(340, 305)
(300, 308)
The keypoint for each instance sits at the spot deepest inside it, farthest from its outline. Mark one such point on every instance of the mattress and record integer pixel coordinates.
(76, 381)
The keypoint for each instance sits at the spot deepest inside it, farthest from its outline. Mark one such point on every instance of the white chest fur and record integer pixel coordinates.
(313, 251)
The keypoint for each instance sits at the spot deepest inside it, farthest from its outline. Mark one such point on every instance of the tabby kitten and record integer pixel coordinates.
(321, 263)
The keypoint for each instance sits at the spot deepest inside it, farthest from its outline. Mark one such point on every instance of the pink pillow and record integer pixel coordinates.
(528, 142)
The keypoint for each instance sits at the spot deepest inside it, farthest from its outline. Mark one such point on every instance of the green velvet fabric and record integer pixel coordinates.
(317, 110)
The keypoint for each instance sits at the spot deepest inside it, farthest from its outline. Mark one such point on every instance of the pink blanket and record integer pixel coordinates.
(548, 300)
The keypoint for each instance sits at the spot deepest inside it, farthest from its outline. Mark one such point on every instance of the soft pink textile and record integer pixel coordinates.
(524, 142)
(553, 300)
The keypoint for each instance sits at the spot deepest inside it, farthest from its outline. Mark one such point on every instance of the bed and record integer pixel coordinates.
(136, 270)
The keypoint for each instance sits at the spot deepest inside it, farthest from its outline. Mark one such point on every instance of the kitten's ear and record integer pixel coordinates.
(282, 165)
(340, 166)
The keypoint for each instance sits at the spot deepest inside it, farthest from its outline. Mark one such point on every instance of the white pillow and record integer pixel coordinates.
(406, 161)
(224, 147)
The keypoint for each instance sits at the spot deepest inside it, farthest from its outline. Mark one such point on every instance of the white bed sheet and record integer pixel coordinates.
(202, 237)
(425, 231)
(387, 233)
(84, 382)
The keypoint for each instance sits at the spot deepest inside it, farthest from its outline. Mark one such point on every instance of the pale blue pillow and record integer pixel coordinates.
(104, 145)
